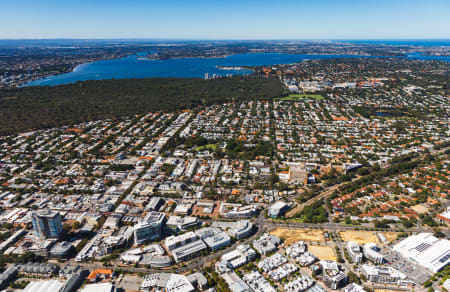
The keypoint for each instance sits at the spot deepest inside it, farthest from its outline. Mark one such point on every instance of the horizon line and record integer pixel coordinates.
(226, 39)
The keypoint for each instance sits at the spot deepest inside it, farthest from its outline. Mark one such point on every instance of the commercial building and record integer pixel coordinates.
(354, 251)
(238, 229)
(214, 237)
(353, 287)
(178, 223)
(44, 286)
(101, 287)
(150, 228)
(278, 209)
(236, 258)
(198, 280)
(229, 210)
(426, 250)
(154, 204)
(190, 244)
(372, 254)
(188, 251)
(61, 250)
(235, 283)
(46, 224)
(332, 276)
(7, 277)
(446, 284)
(266, 244)
(113, 221)
(242, 229)
(170, 282)
(383, 275)
(179, 283)
(173, 242)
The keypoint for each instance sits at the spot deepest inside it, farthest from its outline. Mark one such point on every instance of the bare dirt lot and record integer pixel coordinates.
(421, 209)
(293, 235)
(363, 237)
(323, 252)
(198, 211)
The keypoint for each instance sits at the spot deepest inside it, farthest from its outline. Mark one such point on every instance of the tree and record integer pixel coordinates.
(76, 225)
(353, 278)
(428, 220)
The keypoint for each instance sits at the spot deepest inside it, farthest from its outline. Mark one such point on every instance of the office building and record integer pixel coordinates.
(188, 251)
(242, 229)
(354, 251)
(382, 275)
(150, 228)
(173, 242)
(214, 237)
(46, 224)
(332, 276)
(266, 244)
(372, 254)
(278, 209)
(178, 223)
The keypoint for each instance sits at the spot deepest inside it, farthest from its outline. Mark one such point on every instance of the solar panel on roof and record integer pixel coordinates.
(423, 246)
(445, 258)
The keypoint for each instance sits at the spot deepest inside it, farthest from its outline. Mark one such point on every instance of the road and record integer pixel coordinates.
(269, 224)
(262, 226)
(192, 265)
(326, 193)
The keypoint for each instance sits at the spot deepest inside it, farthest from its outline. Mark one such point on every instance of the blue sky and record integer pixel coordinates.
(230, 19)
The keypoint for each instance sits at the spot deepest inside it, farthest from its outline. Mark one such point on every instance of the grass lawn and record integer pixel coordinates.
(205, 147)
(295, 97)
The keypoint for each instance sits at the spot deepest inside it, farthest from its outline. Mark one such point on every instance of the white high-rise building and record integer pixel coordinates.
(150, 228)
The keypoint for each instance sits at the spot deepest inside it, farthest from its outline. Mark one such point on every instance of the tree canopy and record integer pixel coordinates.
(42, 107)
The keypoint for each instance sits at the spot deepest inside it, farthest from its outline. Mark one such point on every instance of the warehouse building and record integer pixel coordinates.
(426, 250)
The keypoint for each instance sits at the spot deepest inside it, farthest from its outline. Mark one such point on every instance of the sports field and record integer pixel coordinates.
(293, 235)
(294, 97)
(206, 147)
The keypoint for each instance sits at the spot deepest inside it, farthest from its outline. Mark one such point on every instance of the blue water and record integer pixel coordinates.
(137, 67)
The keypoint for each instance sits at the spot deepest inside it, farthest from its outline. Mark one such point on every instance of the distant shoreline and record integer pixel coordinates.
(124, 71)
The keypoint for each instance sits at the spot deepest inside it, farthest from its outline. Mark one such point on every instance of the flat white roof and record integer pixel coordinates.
(102, 287)
(426, 250)
(44, 286)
